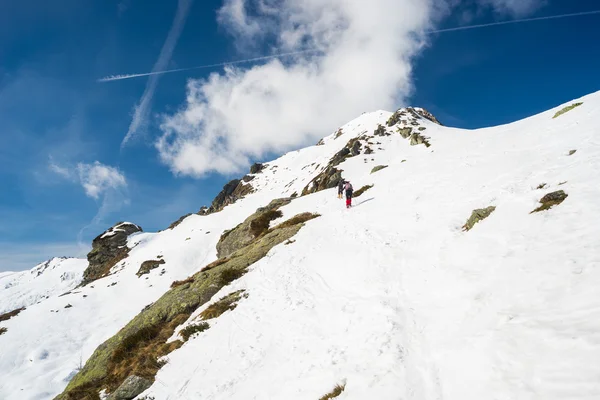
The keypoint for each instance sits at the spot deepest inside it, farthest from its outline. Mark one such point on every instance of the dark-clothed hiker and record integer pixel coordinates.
(349, 190)
(341, 188)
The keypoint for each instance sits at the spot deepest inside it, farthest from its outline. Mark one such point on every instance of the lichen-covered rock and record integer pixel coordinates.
(148, 266)
(477, 216)
(378, 168)
(550, 200)
(147, 334)
(405, 132)
(394, 119)
(133, 386)
(381, 131)
(107, 250)
(417, 138)
(240, 236)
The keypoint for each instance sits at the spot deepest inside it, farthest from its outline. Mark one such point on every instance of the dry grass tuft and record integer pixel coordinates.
(10, 314)
(566, 109)
(298, 219)
(227, 303)
(183, 282)
(260, 225)
(216, 263)
(337, 390)
(139, 353)
(190, 330)
(229, 275)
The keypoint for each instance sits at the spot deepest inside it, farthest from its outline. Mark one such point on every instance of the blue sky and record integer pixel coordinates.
(67, 173)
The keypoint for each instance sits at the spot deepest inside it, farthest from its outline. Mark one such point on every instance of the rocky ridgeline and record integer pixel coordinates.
(107, 250)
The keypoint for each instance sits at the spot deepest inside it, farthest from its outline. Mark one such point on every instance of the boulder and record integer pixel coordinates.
(107, 250)
(148, 266)
(405, 132)
(477, 216)
(256, 168)
(550, 200)
(243, 234)
(130, 389)
(378, 168)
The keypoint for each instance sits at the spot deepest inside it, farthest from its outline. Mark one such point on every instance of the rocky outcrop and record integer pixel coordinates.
(133, 386)
(477, 216)
(137, 347)
(179, 221)
(405, 132)
(148, 266)
(107, 250)
(550, 200)
(232, 192)
(256, 168)
(417, 138)
(240, 236)
(427, 115)
(327, 179)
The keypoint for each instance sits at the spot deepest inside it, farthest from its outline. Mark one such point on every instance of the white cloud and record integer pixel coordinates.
(142, 109)
(240, 115)
(98, 178)
(516, 8)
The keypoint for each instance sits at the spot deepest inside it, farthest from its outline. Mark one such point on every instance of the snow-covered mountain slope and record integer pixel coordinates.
(391, 297)
(51, 278)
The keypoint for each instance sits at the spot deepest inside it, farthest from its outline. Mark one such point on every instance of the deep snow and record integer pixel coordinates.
(390, 297)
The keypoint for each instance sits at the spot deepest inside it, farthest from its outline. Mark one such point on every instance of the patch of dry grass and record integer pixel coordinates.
(183, 282)
(10, 314)
(566, 109)
(227, 303)
(260, 225)
(190, 330)
(337, 390)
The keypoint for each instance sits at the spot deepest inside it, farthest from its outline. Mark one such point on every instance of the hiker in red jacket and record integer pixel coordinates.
(348, 188)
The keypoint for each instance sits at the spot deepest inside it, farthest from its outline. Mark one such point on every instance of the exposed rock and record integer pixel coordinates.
(417, 138)
(145, 336)
(327, 179)
(10, 314)
(179, 221)
(360, 191)
(427, 115)
(203, 210)
(240, 236)
(405, 132)
(133, 386)
(232, 192)
(550, 200)
(321, 142)
(381, 131)
(394, 119)
(478, 215)
(248, 178)
(422, 128)
(3, 330)
(148, 266)
(378, 168)
(339, 133)
(256, 168)
(107, 250)
(368, 150)
(572, 152)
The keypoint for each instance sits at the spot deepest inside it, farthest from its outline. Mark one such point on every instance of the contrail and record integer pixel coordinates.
(515, 21)
(223, 64)
(142, 109)
(280, 55)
